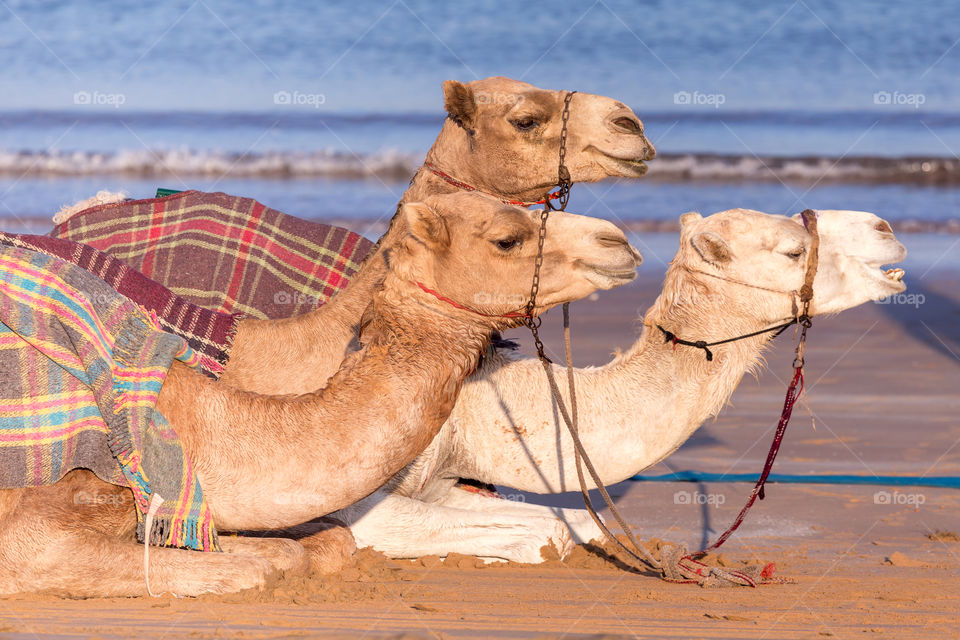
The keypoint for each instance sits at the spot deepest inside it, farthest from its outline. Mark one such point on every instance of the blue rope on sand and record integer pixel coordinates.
(952, 482)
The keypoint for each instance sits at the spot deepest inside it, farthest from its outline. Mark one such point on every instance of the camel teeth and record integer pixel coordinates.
(895, 274)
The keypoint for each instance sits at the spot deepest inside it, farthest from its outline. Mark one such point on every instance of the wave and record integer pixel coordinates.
(399, 165)
(394, 165)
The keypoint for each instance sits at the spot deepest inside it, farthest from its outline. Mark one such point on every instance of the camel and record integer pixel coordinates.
(634, 411)
(272, 462)
(501, 137)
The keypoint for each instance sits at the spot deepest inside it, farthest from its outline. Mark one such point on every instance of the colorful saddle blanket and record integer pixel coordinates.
(81, 369)
(224, 252)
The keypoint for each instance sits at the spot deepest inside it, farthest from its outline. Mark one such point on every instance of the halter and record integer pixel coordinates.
(562, 194)
(446, 177)
(804, 294)
(463, 307)
(675, 563)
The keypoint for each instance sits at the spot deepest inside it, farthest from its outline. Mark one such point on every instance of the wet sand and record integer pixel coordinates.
(883, 390)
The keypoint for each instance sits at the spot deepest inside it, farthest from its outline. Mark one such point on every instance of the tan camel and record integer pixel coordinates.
(634, 411)
(502, 137)
(267, 462)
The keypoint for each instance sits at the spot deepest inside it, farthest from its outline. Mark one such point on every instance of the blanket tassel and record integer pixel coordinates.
(155, 502)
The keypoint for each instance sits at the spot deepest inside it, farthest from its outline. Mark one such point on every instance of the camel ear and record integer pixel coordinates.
(689, 217)
(712, 248)
(459, 102)
(426, 225)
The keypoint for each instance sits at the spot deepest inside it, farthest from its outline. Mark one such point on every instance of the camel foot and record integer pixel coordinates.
(283, 554)
(328, 543)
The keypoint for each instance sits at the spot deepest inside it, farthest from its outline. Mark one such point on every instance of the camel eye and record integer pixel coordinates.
(507, 244)
(796, 253)
(525, 124)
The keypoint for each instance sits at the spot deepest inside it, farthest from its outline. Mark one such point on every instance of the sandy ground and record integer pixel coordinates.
(883, 391)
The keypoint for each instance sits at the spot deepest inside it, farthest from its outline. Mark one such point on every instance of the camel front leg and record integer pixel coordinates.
(578, 521)
(97, 566)
(51, 542)
(402, 527)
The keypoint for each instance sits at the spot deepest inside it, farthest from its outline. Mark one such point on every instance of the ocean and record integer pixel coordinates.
(324, 110)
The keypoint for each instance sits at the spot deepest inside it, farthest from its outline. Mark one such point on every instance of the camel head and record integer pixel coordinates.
(503, 136)
(480, 253)
(758, 259)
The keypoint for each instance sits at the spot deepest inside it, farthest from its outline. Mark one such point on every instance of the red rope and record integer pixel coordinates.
(794, 390)
(454, 303)
(468, 187)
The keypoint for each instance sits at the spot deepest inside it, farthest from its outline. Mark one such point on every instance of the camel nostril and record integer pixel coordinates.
(627, 125)
(883, 227)
(610, 239)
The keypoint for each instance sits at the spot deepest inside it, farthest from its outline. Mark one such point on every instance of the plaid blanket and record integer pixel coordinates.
(209, 333)
(80, 371)
(224, 252)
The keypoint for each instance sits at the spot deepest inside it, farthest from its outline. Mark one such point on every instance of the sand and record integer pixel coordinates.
(864, 561)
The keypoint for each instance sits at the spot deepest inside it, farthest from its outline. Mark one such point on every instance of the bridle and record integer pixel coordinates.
(804, 295)
(561, 196)
(675, 563)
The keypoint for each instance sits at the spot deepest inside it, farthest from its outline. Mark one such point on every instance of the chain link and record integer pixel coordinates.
(564, 183)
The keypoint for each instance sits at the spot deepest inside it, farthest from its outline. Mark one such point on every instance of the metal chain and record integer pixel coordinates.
(563, 196)
(563, 174)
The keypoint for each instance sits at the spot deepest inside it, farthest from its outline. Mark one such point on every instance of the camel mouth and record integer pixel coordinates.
(619, 165)
(893, 278)
(608, 277)
(895, 274)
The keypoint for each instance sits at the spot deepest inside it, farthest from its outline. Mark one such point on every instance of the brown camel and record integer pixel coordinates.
(271, 462)
(501, 137)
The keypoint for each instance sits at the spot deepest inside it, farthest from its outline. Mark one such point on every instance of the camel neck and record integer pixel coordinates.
(680, 376)
(376, 414)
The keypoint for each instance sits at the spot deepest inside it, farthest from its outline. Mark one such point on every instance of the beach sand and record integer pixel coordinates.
(882, 383)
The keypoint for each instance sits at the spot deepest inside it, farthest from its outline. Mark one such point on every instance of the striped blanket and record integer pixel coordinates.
(209, 333)
(224, 252)
(80, 371)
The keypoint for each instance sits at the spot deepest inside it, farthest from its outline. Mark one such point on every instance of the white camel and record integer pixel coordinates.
(648, 401)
